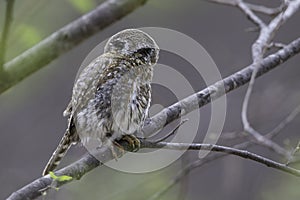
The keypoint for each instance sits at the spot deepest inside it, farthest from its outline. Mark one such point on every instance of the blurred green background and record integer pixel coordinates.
(31, 121)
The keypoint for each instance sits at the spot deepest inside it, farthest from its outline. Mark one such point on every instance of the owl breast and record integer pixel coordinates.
(112, 102)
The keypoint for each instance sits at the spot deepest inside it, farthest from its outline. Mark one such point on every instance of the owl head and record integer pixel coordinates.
(133, 43)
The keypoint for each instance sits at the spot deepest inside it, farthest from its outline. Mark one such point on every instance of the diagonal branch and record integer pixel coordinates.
(251, 15)
(66, 38)
(283, 123)
(212, 92)
(87, 163)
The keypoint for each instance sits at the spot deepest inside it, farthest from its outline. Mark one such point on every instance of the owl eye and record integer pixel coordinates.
(145, 52)
(146, 55)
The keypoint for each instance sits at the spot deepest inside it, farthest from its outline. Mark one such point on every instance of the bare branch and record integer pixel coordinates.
(284, 122)
(212, 92)
(276, 45)
(76, 170)
(4, 37)
(66, 38)
(244, 8)
(87, 163)
(251, 16)
(266, 35)
(296, 149)
(173, 132)
(255, 8)
(198, 163)
(224, 149)
(258, 49)
(265, 10)
(273, 133)
(192, 166)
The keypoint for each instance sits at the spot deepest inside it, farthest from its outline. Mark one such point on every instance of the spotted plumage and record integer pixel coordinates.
(111, 96)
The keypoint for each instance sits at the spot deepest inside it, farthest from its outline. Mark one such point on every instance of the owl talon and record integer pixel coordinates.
(134, 143)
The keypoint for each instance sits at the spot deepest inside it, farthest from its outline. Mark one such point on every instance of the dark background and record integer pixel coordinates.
(31, 121)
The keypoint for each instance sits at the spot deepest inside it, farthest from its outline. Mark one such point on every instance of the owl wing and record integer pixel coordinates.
(91, 100)
(83, 91)
(71, 136)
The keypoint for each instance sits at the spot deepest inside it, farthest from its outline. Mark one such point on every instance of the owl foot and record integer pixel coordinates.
(133, 143)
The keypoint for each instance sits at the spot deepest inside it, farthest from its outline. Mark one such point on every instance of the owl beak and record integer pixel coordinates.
(154, 56)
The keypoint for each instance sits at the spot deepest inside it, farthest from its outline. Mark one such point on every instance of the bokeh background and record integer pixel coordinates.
(31, 121)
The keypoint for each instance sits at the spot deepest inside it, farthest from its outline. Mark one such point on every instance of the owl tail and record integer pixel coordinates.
(70, 137)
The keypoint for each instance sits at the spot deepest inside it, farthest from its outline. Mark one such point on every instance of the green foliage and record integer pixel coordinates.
(28, 35)
(60, 178)
(82, 5)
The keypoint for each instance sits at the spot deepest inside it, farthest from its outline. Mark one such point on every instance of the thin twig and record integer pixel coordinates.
(192, 166)
(274, 132)
(255, 8)
(251, 15)
(173, 132)
(244, 8)
(198, 163)
(229, 150)
(7, 23)
(265, 10)
(284, 122)
(224, 149)
(275, 45)
(296, 149)
(232, 135)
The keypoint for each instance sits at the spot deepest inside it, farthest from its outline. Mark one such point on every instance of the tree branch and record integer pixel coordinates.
(255, 8)
(265, 10)
(66, 38)
(224, 149)
(259, 47)
(251, 15)
(3, 42)
(266, 35)
(198, 163)
(284, 123)
(167, 115)
(76, 170)
(212, 92)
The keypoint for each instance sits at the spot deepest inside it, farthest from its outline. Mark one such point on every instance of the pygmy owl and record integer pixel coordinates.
(111, 96)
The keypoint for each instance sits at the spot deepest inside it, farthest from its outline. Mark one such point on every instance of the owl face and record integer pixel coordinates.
(133, 43)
